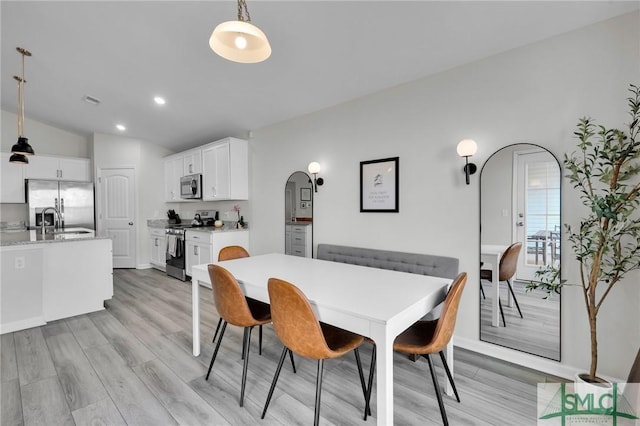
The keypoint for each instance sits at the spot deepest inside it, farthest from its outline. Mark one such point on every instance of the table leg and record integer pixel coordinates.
(195, 314)
(495, 308)
(384, 387)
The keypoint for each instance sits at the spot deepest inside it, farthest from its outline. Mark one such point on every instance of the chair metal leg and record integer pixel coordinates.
(446, 368)
(502, 312)
(275, 380)
(443, 413)
(361, 374)
(293, 364)
(260, 341)
(514, 298)
(372, 370)
(215, 352)
(217, 329)
(247, 346)
(316, 415)
(482, 290)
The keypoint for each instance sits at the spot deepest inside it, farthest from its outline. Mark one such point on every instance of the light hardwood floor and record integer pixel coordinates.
(132, 364)
(538, 332)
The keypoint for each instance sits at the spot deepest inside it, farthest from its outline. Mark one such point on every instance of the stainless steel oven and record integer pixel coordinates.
(175, 253)
(191, 187)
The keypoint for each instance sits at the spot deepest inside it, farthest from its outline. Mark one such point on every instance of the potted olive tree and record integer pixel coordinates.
(605, 170)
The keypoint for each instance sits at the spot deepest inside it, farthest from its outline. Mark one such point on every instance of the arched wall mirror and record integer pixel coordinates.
(298, 215)
(519, 203)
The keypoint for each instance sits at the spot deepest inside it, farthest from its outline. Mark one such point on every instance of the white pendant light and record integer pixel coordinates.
(240, 41)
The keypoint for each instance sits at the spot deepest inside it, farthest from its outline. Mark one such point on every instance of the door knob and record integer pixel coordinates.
(520, 224)
(130, 223)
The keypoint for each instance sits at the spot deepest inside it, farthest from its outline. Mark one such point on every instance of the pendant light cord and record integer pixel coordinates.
(21, 82)
(242, 7)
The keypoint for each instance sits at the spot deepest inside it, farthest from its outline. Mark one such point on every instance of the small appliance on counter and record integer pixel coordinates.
(204, 218)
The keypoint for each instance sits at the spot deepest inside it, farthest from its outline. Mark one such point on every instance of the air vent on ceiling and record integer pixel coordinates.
(92, 100)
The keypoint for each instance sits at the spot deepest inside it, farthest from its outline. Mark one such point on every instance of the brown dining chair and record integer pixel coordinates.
(430, 337)
(230, 253)
(235, 309)
(300, 331)
(506, 271)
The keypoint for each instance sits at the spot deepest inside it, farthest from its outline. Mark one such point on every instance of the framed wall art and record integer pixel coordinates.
(305, 194)
(379, 180)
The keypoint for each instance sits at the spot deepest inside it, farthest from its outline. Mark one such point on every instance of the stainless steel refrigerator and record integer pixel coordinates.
(74, 201)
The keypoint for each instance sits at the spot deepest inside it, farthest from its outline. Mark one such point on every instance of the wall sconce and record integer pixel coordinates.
(466, 148)
(314, 169)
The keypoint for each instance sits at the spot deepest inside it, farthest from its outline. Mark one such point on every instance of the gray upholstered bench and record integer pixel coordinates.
(425, 264)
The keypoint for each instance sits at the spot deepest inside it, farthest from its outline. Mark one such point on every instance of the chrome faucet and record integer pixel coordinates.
(44, 222)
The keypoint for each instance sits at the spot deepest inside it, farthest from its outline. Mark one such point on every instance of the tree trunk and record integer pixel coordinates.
(594, 343)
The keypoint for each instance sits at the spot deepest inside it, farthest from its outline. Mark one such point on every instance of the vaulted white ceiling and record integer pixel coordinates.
(324, 53)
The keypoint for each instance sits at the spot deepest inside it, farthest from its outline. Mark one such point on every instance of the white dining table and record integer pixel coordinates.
(491, 254)
(376, 303)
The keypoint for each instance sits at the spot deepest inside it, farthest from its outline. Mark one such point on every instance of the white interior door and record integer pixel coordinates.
(117, 213)
(537, 210)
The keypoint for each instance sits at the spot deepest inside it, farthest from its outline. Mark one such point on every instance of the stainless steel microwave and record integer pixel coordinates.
(191, 187)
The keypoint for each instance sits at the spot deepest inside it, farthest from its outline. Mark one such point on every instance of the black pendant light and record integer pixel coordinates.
(21, 148)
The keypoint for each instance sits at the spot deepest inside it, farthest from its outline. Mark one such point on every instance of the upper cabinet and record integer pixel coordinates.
(224, 166)
(225, 170)
(58, 168)
(12, 180)
(192, 161)
(173, 171)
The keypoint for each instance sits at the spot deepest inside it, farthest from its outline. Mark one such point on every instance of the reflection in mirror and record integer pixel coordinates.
(519, 203)
(298, 215)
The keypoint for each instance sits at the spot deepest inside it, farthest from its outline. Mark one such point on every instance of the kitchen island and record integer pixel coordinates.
(52, 276)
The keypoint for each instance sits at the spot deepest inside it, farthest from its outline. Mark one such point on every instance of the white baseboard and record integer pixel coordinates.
(144, 266)
(544, 365)
(21, 325)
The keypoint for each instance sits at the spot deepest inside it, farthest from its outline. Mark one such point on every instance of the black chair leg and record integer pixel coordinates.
(443, 413)
(482, 290)
(217, 329)
(502, 312)
(260, 341)
(372, 370)
(361, 374)
(275, 380)
(293, 364)
(247, 346)
(316, 412)
(215, 352)
(514, 298)
(446, 368)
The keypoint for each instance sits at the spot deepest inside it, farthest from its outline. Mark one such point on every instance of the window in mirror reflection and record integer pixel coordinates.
(520, 202)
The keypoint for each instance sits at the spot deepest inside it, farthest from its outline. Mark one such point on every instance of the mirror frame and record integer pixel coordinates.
(561, 245)
(287, 222)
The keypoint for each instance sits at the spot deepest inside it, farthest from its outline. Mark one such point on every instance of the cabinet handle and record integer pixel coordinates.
(190, 168)
(195, 250)
(156, 242)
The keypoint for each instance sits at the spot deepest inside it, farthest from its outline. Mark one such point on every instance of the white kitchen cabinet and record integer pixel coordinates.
(299, 240)
(11, 180)
(225, 170)
(50, 281)
(198, 248)
(192, 162)
(158, 248)
(204, 246)
(173, 171)
(58, 168)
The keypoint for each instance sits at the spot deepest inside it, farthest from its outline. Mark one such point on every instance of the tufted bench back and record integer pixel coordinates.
(424, 264)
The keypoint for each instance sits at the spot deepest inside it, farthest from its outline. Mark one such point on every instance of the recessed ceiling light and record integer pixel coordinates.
(159, 100)
(121, 127)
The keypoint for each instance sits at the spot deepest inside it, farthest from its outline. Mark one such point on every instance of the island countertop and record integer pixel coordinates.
(21, 237)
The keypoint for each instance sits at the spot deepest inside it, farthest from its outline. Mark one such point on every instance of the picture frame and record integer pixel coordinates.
(379, 185)
(305, 194)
